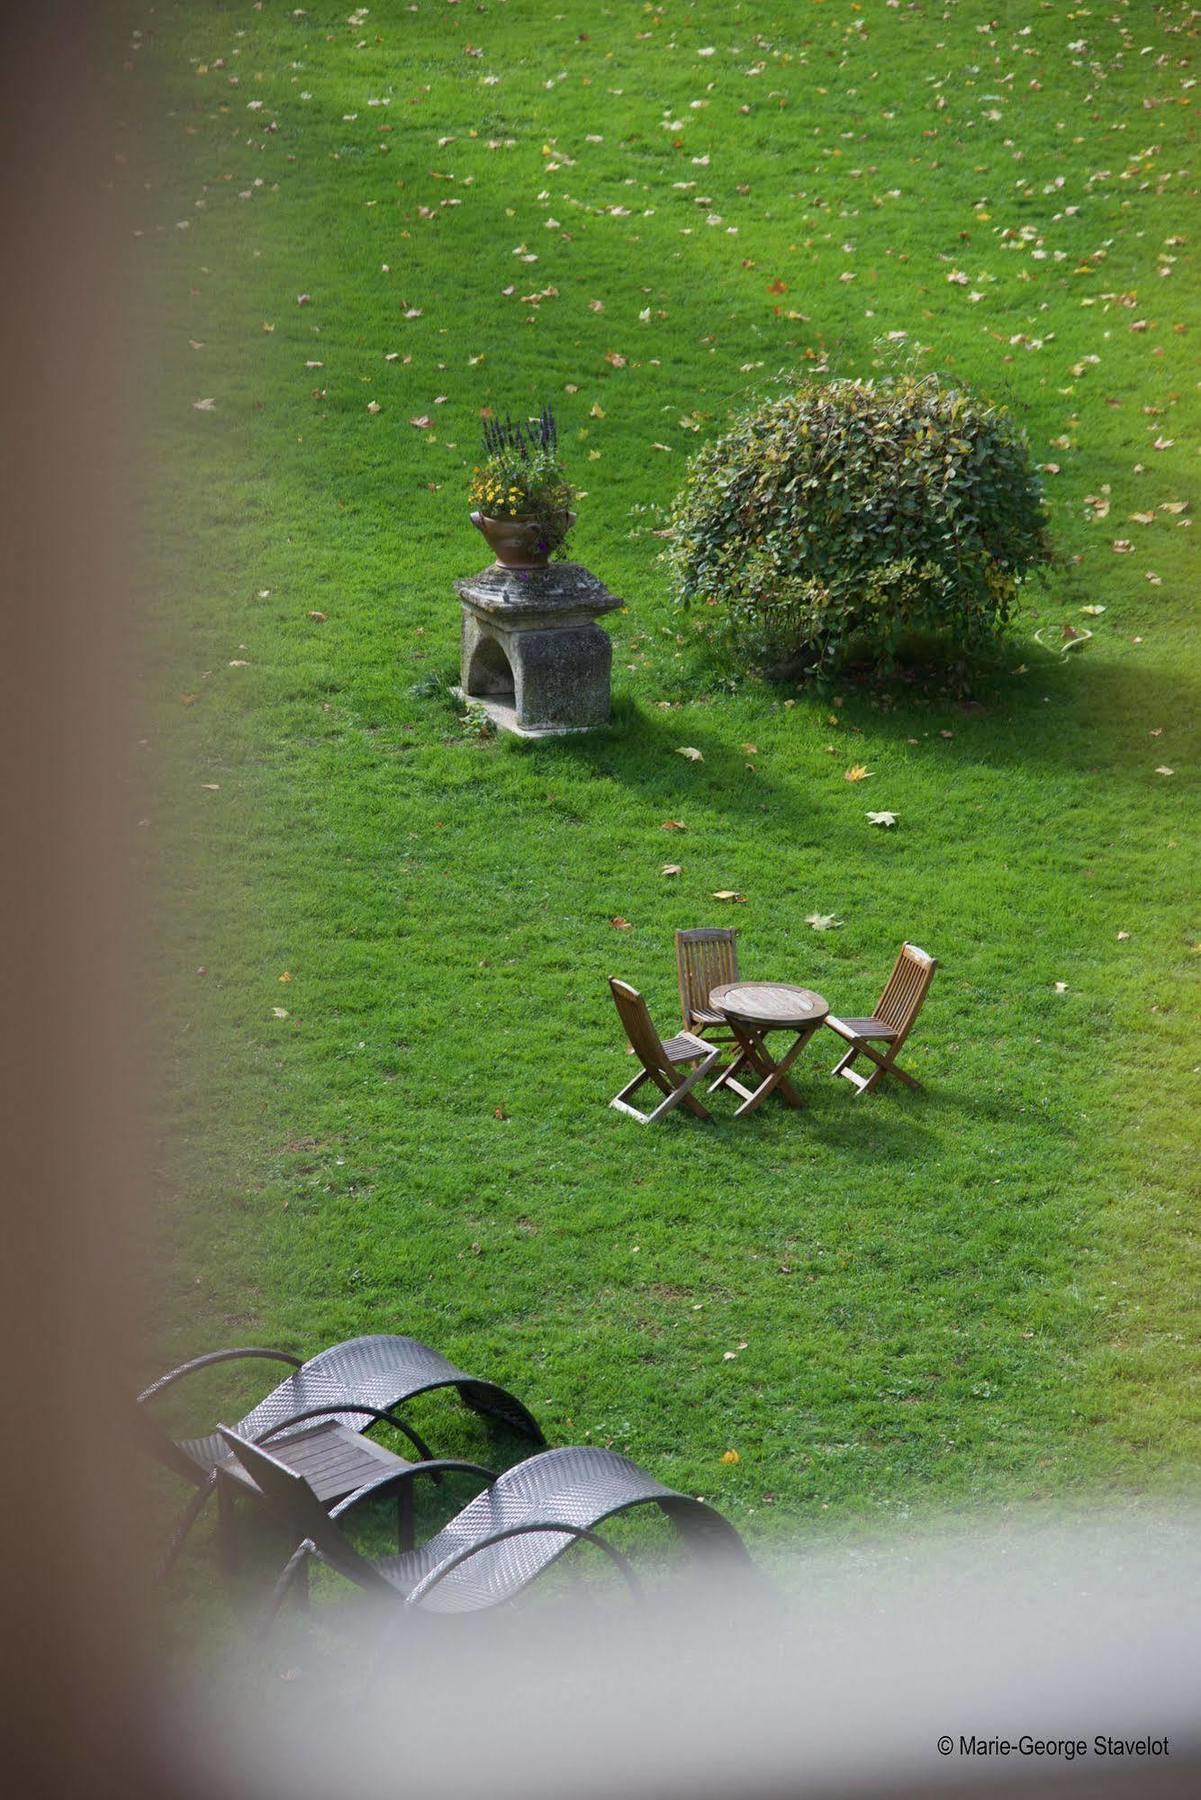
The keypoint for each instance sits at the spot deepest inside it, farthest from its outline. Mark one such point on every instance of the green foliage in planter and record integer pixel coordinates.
(853, 514)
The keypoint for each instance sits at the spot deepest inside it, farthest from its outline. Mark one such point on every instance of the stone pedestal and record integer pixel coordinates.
(531, 654)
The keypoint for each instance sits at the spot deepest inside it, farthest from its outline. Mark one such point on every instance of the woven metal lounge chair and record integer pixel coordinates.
(897, 1008)
(706, 957)
(349, 1388)
(661, 1059)
(501, 1541)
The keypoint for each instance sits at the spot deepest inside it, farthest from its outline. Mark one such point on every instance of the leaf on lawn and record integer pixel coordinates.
(1123, 937)
(204, 405)
(730, 894)
(671, 869)
(881, 818)
(317, 617)
(281, 1012)
(1164, 771)
(691, 752)
(615, 359)
(857, 773)
(286, 976)
(823, 921)
(673, 825)
(1061, 987)
(730, 1456)
(214, 787)
(620, 924)
(751, 749)
(1092, 612)
(423, 422)
(373, 406)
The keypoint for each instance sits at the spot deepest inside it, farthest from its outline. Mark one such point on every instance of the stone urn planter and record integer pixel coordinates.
(523, 543)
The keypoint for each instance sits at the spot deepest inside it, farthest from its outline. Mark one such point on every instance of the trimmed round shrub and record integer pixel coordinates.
(850, 515)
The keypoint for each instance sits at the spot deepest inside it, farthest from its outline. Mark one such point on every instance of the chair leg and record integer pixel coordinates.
(682, 1094)
(227, 1526)
(885, 1065)
(192, 1512)
(295, 1570)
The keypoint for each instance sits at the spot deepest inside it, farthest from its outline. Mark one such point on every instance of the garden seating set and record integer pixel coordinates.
(303, 1453)
(718, 1010)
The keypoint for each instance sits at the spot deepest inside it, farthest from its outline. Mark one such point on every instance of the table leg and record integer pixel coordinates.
(750, 1055)
(775, 1073)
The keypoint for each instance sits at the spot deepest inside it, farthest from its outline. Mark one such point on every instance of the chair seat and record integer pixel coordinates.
(334, 1460)
(703, 1015)
(685, 1048)
(861, 1028)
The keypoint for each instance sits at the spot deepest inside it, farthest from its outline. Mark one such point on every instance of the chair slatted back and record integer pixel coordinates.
(293, 1501)
(906, 988)
(636, 1022)
(705, 958)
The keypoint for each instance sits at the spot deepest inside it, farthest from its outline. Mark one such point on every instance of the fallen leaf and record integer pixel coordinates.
(615, 358)
(823, 921)
(1092, 612)
(281, 1012)
(319, 617)
(304, 300)
(204, 405)
(881, 818)
(498, 1112)
(751, 749)
(620, 924)
(671, 869)
(1163, 771)
(287, 975)
(691, 752)
(730, 894)
(730, 1456)
(214, 787)
(858, 773)
(673, 825)
(1061, 987)
(422, 423)
(373, 406)
(1123, 936)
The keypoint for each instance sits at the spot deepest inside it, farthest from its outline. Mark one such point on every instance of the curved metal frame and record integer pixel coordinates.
(429, 1582)
(207, 1361)
(323, 1412)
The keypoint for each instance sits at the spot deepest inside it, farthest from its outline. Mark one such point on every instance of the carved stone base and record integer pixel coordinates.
(531, 655)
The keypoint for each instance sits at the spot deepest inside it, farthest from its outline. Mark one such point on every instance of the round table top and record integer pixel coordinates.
(768, 1003)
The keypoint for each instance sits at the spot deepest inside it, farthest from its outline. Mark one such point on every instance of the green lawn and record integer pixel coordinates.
(386, 1039)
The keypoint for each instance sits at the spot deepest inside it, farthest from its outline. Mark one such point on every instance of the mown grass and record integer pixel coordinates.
(983, 1291)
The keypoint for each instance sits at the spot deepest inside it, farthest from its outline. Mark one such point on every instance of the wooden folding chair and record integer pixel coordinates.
(660, 1060)
(890, 1024)
(705, 958)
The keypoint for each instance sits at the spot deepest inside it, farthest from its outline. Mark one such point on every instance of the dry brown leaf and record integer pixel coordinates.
(691, 752)
(858, 773)
(730, 894)
(620, 924)
(673, 825)
(671, 869)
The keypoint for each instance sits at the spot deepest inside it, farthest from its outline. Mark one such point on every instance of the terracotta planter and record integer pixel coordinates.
(522, 543)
